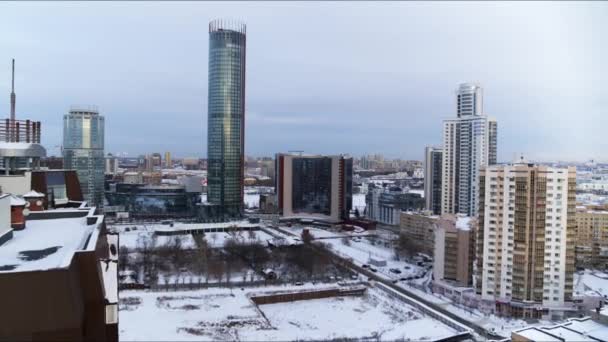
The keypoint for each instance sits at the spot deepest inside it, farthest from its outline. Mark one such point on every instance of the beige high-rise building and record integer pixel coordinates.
(168, 161)
(591, 237)
(454, 249)
(526, 238)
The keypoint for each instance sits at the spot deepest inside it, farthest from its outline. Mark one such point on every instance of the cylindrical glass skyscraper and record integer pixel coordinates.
(226, 117)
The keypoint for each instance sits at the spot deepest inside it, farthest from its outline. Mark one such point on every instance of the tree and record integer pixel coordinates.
(146, 244)
(357, 215)
(123, 258)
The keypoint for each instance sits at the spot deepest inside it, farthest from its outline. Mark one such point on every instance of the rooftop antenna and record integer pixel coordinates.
(13, 97)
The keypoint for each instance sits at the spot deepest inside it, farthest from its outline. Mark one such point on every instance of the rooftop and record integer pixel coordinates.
(576, 329)
(48, 243)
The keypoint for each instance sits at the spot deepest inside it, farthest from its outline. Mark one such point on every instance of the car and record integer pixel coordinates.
(406, 267)
(299, 283)
(403, 278)
(339, 278)
(365, 266)
(373, 269)
(354, 277)
(395, 270)
(183, 269)
(395, 281)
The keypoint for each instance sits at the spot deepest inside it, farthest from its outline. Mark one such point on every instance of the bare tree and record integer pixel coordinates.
(146, 245)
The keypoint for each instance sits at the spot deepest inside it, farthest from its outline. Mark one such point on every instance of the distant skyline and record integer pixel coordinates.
(339, 77)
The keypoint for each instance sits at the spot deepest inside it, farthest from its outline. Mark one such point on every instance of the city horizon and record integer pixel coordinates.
(398, 108)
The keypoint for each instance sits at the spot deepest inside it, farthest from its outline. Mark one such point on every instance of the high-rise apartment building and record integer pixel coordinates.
(592, 237)
(526, 237)
(83, 151)
(469, 142)
(317, 186)
(111, 164)
(226, 117)
(432, 178)
(168, 161)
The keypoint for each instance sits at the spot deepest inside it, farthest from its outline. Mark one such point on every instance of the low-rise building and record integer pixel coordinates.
(454, 249)
(575, 329)
(385, 205)
(58, 278)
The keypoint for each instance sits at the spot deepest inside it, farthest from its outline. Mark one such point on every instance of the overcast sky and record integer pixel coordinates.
(342, 77)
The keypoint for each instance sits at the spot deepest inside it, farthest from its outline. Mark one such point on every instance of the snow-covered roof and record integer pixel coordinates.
(463, 222)
(202, 226)
(15, 200)
(33, 193)
(46, 244)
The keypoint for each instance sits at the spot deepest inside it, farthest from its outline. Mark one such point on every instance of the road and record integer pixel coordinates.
(478, 329)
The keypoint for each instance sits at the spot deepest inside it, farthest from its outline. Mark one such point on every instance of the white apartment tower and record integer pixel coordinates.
(469, 142)
(525, 238)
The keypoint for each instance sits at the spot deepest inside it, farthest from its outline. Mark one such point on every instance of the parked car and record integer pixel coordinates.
(395, 270)
(373, 269)
(299, 283)
(354, 277)
(365, 266)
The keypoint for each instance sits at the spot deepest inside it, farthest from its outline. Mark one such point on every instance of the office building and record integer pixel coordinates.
(384, 205)
(226, 118)
(314, 186)
(526, 237)
(83, 151)
(469, 142)
(454, 249)
(432, 178)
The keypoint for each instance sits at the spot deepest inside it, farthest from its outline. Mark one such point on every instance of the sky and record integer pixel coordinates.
(322, 77)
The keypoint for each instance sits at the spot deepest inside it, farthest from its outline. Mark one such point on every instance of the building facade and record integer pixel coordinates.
(433, 158)
(226, 118)
(418, 230)
(83, 151)
(384, 205)
(111, 164)
(168, 161)
(469, 142)
(591, 237)
(526, 237)
(454, 249)
(319, 186)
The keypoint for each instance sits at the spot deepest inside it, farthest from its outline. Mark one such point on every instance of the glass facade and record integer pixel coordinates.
(226, 118)
(83, 151)
(312, 185)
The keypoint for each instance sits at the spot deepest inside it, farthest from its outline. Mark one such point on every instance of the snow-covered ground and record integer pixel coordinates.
(591, 281)
(229, 315)
(129, 238)
(361, 251)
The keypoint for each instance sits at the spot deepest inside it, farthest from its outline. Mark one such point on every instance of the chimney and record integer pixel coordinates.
(18, 212)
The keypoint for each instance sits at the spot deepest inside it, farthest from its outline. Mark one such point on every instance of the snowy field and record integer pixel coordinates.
(215, 240)
(229, 315)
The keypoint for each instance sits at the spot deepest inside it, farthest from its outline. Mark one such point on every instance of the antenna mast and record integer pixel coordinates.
(11, 126)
